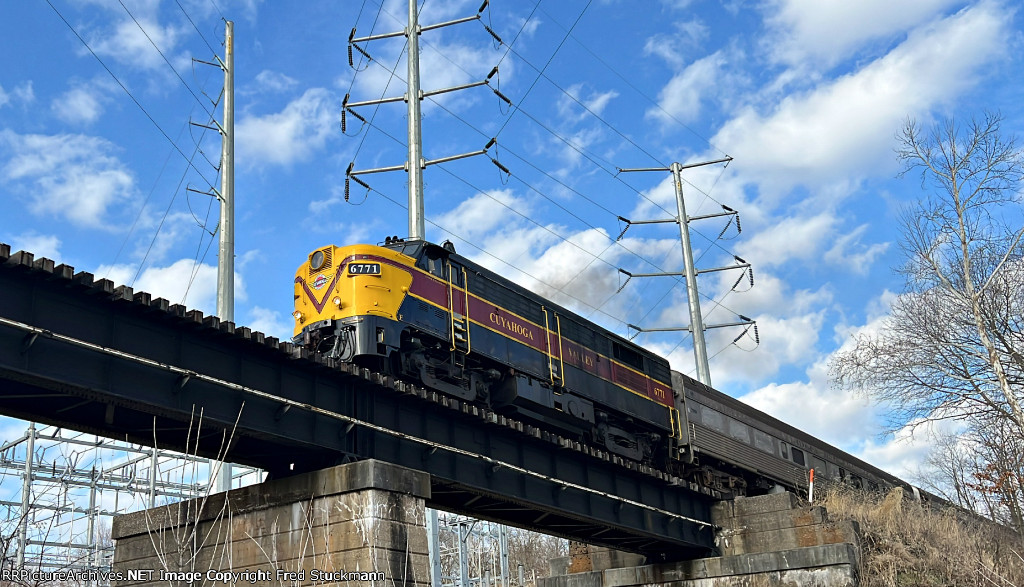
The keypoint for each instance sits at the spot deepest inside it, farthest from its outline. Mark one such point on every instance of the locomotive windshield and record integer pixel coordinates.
(410, 248)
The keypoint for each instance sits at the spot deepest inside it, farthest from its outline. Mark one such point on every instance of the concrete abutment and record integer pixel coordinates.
(766, 541)
(361, 522)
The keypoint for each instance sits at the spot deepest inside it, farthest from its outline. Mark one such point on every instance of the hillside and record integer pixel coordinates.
(906, 545)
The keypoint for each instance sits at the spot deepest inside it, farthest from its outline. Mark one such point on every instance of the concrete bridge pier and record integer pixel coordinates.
(765, 541)
(361, 522)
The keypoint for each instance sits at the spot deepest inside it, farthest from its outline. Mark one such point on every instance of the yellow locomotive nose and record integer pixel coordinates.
(337, 283)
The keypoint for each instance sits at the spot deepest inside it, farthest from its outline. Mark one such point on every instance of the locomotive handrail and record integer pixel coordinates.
(561, 356)
(547, 347)
(674, 423)
(465, 308)
(451, 309)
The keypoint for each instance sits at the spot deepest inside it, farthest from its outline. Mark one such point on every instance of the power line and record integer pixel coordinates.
(164, 57)
(217, 8)
(635, 89)
(578, 148)
(571, 144)
(550, 59)
(201, 35)
(163, 219)
(126, 91)
(384, 92)
(565, 239)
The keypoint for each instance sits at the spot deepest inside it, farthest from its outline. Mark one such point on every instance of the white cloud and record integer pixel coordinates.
(854, 261)
(128, 44)
(826, 32)
(72, 176)
(270, 322)
(182, 282)
(841, 129)
(481, 215)
(77, 106)
(685, 93)
(82, 104)
(575, 108)
(803, 238)
(572, 147)
(795, 237)
(41, 245)
(903, 452)
(835, 416)
(273, 81)
(671, 47)
(285, 137)
(22, 93)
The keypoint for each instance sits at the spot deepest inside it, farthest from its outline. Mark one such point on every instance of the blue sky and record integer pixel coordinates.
(806, 96)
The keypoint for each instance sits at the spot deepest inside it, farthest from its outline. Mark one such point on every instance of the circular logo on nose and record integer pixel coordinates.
(320, 281)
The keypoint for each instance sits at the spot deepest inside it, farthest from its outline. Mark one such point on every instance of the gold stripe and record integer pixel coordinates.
(609, 359)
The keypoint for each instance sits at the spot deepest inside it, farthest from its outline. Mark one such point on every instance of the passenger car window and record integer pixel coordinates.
(798, 456)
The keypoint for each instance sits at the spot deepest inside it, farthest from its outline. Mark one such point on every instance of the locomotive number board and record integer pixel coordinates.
(364, 268)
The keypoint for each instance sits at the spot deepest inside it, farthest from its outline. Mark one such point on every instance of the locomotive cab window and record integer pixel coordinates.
(412, 249)
(455, 275)
(432, 262)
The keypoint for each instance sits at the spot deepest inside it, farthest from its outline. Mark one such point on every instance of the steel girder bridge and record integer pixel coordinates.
(81, 353)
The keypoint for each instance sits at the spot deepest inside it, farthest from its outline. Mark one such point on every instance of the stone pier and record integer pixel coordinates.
(361, 522)
(766, 541)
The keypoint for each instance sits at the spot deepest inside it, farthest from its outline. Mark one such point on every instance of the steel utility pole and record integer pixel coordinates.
(700, 350)
(417, 228)
(226, 259)
(690, 272)
(416, 163)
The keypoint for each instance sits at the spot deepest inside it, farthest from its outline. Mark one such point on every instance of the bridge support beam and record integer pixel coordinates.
(366, 518)
(767, 541)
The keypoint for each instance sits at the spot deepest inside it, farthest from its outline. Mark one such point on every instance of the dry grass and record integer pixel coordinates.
(906, 545)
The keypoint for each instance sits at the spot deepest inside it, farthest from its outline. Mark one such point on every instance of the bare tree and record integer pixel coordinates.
(999, 476)
(952, 346)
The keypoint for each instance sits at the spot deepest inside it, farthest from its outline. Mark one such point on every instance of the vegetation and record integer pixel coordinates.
(905, 544)
(952, 346)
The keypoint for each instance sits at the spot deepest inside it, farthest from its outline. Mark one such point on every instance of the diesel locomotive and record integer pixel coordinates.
(420, 311)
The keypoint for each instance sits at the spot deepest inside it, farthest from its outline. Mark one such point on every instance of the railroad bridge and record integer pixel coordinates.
(82, 353)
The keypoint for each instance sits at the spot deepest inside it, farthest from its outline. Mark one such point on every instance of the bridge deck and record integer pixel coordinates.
(83, 354)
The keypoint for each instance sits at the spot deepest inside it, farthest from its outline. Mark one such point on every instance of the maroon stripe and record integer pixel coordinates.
(583, 358)
(435, 290)
(507, 324)
(309, 293)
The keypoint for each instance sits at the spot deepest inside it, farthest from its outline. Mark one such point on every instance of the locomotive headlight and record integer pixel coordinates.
(337, 302)
(297, 315)
(317, 262)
